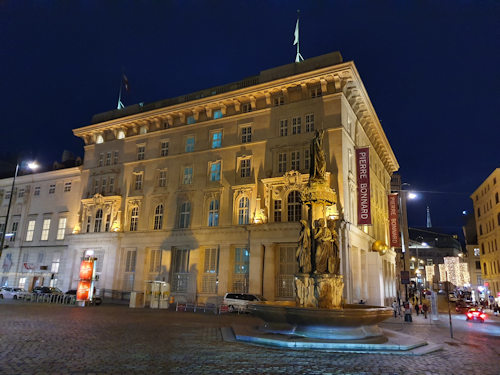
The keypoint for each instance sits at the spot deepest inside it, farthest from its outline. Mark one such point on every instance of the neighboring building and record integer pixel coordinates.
(43, 212)
(486, 203)
(472, 256)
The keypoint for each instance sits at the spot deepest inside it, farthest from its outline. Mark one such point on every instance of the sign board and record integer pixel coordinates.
(405, 277)
(394, 233)
(85, 288)
(363, 175)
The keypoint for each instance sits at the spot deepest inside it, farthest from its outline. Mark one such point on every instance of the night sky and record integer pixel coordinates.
(431, 69)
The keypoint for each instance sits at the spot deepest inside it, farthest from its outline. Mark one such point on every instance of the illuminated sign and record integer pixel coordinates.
(363, 174)
(83, 291)
(86, 284)
(86, 270)
(394, 235)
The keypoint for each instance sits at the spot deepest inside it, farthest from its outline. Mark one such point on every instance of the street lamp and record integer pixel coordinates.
(31, 165)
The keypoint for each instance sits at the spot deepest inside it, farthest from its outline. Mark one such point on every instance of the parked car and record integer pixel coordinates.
(72, 292)
(46, 290)
(240, 301)
(476, 313)
(11, 293)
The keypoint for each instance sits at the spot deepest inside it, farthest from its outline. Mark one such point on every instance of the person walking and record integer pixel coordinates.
(425, 308)
(417, 308)
(395, 308)
(408, 307)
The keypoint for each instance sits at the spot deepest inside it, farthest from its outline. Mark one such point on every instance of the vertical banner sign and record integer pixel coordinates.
(394, 233)
(85, 285)
(363, 170)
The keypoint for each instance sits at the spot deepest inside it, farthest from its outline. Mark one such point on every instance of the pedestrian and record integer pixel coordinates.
(408, 307)
(417, 308)
(395, 308)
(425, 308)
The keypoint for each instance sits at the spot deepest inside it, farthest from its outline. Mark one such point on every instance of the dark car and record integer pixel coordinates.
(46, 290)
(72, 292)
(475, 313)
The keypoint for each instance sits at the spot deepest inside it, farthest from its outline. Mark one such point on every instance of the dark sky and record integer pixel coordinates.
(431, 69)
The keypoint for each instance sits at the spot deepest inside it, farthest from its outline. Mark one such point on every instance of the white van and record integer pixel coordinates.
(239, 301)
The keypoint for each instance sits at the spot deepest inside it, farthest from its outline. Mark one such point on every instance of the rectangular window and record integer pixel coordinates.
(189, 143)
(115, 157)
(96, 186)
(111, 185)
(218, 114)
(13, 232)
(478, 265)
(190, 120)
(130, 261)
(164, 148)
(187, 177)
(154, 261)
(476, 252)
(45, 230)
(310, 122)
(213, 213)
(241, 270)
(316, 92)
(245, 168)
(215, 171)
(246, 107)
(20, 194)
(184, 215)
(138, 181)
(55, 263)
(277, 211)
(246, 134)
(286, 272)
(295, 160)
(278, 100)
(282, 162)
(307, 159)
(87, 225)
(107, 225)
(217, 139)
(52, 189)
(36, 193)
(104, 185)
(140, 152)
(209, 278)
(100, 161)
(67, 186)
(108, 158)
(61, 228)
(41, 257)
(162, 178)
(283, 128)
(296, 125)
(181, 270)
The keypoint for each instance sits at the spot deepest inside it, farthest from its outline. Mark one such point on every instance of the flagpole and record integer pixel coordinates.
(120, 104)
(298, 56)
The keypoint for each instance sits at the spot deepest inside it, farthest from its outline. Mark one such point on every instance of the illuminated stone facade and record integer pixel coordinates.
(487, 214)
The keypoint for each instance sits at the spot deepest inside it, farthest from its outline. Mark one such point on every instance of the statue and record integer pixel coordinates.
(324, 247)
(303, 253)
(318, 166)
(334, 261)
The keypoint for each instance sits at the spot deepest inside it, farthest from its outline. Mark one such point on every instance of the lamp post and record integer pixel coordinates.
(31, 165)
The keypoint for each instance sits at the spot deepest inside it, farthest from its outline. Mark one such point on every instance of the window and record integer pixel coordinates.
(209, 279)
(217, 139)
(87, 225)
(278, 100)
(246, 107)
(295, 160)
(67, 186)
(218, 114)
(282, 162)
(213, 213)
(246, 134)
(286, 272)
(277, 210)
(45, 230)
(307, 159)
(98, 221)
(115, 157)
(480, 229)
(20, 194)
(241, 270)
(430, 262)
(14, 227)
(162, 178)
(189, 143)
(111, 185)
(283, 128)
(155, 260)
(134, 219)
(294, 206)
(61, 228)
(143, 129)
(41, 257)
(315, 92)
(104, 183)
(476, 252)
(485, 269)
(140, 152)
(107, 224)
(478, 265)
(243, 211)
(130, 261)
(100, 161)
(99, 139)
(138, 181)
(184, 214)
(2, 229)
(181, 268)
(479, 212)
(121, 134)
(36, 193)
(296, 125)
(187, 177)
(164, 148)
(158, 222)
(22, 282)
(52, 189)
(215, 171)
(96, 186)
(309, 123)
(190, 120)
(108, 158)
(55, 263)
(245, 168)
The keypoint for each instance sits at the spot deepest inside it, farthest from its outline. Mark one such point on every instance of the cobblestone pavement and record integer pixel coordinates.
(113, 339)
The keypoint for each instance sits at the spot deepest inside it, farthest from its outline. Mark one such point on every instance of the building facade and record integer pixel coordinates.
(486, 203)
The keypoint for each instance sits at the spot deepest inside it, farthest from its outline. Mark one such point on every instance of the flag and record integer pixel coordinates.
(125, 82)
(296, 33)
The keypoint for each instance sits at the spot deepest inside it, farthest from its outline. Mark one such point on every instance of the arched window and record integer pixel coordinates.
(134, 219)
(98, 221)
(158, 217)
(294, 206)
(184, 214)
(213, 213)
(243, 211)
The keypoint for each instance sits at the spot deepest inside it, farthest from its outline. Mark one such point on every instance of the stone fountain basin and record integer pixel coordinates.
(352, 322)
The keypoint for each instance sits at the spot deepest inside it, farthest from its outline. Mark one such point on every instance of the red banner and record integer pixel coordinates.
(394, 233)
(83, 291)
(363, 174)
(86, 270)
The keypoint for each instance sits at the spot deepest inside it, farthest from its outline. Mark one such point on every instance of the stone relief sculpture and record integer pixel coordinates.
(318, 167)
(303, 253)
(324, 248)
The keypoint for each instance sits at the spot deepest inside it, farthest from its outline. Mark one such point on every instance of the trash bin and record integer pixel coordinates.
(136, 299)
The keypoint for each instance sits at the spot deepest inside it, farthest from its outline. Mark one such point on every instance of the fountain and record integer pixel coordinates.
(318, 318)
